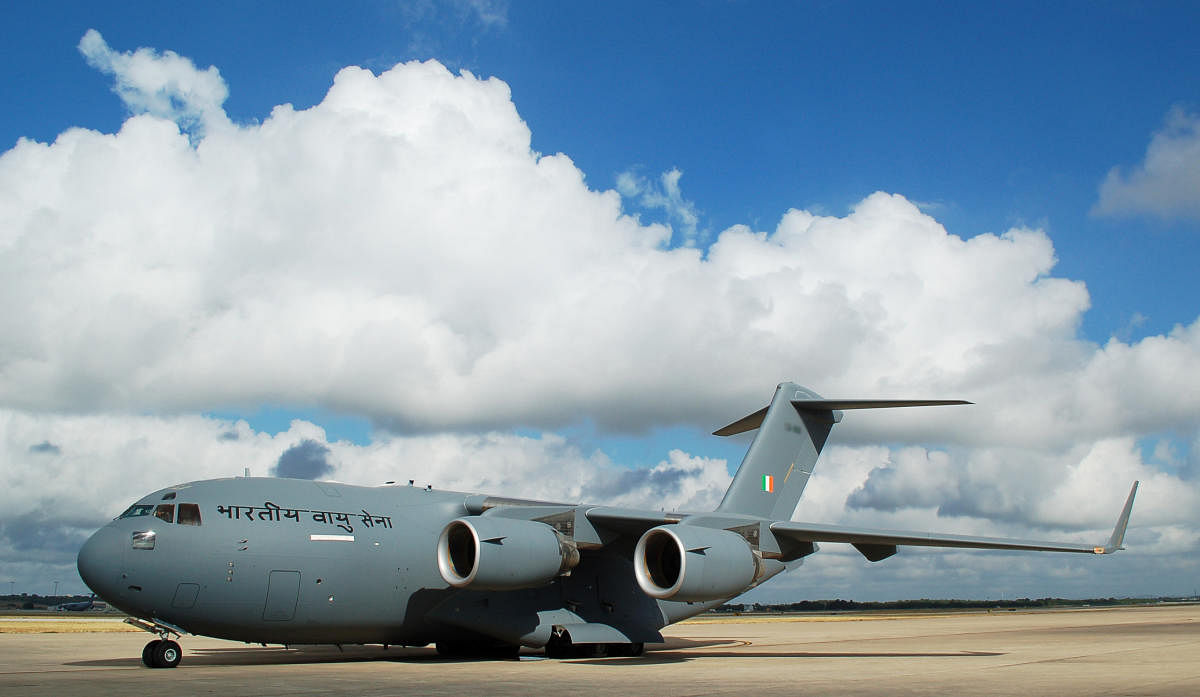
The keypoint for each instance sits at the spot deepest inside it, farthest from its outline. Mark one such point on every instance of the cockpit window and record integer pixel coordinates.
(170, 495)
(189, 514)
(143, 539)
(165, 512)
(136, 510)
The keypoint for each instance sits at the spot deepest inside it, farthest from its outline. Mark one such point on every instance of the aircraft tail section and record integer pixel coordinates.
(793, 429)
(781, 458)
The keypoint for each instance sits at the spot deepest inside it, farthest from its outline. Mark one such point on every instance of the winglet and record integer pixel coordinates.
(1118, 533)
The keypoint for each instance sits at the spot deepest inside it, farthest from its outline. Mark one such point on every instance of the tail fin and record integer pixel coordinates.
(792, 430)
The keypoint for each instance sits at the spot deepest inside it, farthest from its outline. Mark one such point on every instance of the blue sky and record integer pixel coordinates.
(983, 119)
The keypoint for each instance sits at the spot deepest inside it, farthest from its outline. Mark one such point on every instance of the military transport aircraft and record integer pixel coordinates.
(288, 561)
(79, 606)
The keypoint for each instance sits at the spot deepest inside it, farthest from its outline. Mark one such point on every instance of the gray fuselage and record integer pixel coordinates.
(296, 561)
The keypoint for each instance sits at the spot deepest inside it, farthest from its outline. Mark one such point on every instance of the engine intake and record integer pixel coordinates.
(687, 563)
(486, 553)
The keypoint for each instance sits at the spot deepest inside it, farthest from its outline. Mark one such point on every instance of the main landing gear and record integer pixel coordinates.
(162, 652)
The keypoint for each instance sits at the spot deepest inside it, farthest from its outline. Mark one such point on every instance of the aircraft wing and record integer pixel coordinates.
(874, 544)
(880, 544)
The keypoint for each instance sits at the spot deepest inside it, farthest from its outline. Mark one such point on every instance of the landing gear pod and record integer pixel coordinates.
(687, 563)
(500, 554)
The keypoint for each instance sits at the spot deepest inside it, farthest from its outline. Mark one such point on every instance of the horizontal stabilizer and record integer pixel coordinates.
(753, 421)
(839, 404)
(746, 423)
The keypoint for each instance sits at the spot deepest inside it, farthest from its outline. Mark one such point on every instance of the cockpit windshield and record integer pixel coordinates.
(136, 511)
(189, 513)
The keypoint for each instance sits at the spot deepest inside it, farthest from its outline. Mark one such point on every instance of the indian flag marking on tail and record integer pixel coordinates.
(768, 484)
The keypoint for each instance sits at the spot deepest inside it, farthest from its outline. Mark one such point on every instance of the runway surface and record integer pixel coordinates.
(1127, 651)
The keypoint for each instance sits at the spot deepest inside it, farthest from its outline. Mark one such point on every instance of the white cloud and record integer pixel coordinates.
(1167, 182)
(1074, 495)
(398, 251)
(166, 85)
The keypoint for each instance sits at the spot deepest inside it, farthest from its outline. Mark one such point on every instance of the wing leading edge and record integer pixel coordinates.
(880, 544)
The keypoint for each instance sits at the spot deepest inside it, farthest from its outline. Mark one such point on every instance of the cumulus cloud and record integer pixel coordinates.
(163, 84)
(1079, 488)
(398, 251)
(1167, 182)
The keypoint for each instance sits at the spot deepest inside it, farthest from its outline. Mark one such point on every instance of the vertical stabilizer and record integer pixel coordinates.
(776, 469)
(791, 432)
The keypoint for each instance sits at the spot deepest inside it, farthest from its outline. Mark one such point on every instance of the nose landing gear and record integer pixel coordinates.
(162, 652)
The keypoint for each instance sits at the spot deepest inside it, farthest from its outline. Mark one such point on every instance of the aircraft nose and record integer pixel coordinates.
(100, 560)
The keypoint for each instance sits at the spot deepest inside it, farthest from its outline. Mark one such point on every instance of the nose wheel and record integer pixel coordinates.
(161, 653)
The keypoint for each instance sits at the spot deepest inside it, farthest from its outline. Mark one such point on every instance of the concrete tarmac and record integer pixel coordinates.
(1126, 651)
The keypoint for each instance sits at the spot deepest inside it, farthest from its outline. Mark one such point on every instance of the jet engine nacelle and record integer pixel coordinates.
(501, 554)
(687, 563)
